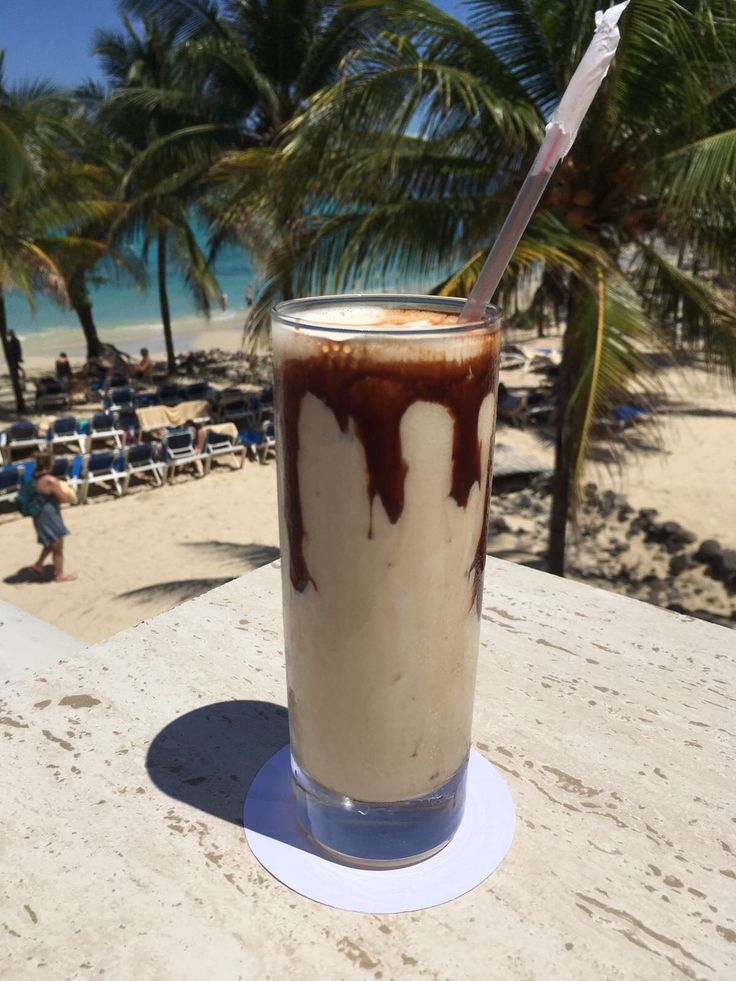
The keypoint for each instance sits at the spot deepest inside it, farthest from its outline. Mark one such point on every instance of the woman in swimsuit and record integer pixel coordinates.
(50, 528)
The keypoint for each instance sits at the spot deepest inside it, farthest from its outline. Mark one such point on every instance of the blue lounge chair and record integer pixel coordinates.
(269, 441)
(170, 393)
(179, 451)
(127, 420)
(197, 391)
(626, 415)
(236, 407)
(101, 468)
(65, 432)
(115, 380)
(23, 437)
(220, 444)
(10, 478)
(50, 395)
(103, 427)
(260, 444)
(119, 399)
(68, 469)
(142, 458)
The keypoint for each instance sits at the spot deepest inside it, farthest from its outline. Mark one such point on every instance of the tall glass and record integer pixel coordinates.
(385, 418)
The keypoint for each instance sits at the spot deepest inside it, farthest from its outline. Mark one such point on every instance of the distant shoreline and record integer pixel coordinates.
(191, 333)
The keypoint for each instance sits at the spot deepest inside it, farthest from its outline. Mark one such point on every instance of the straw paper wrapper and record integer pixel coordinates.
(561, 132)
(566, 119)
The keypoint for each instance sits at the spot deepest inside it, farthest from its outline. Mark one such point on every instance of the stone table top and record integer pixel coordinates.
(124, 771)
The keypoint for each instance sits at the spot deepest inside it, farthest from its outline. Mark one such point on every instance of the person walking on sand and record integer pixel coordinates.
(249, 295)
(50, 528)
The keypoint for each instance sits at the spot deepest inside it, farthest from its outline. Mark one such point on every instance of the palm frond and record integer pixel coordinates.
(609, 334)
(705, 315)
(515, 34)
(699, 171)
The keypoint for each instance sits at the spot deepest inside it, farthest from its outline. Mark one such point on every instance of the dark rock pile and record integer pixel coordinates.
(616, 547)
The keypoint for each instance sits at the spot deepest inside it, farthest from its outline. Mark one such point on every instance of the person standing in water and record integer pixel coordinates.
(50, 493)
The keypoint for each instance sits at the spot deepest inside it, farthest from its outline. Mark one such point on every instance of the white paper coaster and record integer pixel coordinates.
(478, 848)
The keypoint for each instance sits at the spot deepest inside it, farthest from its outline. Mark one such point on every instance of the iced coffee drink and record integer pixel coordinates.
(385, 425)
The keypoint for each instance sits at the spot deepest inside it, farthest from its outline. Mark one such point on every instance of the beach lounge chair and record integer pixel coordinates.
(10, 478)
(179, 451)
(170, 393)
(64, 432)
(221, 444)
(50, 395)
(100, 468)
(197, 392)
(142, 458)
(544, 358)
(511, 408)
(68, 469)
(268, 446)
(116, 380)
(540, 412)
(621, 417)
(266, 400)
(235, 406)
(119, 399)
(127, 420)
(22, 438)
(513, 356)
(261, 443)
(626, 415)
(103, 427)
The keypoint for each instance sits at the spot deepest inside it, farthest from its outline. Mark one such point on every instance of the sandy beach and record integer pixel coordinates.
(146, 552)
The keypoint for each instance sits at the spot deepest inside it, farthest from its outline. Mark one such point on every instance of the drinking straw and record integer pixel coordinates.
(560, 135)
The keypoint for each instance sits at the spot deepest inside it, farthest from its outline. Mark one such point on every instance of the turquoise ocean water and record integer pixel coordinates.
(116, 304)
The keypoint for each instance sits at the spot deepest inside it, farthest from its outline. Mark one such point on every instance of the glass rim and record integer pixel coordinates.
(285, 313)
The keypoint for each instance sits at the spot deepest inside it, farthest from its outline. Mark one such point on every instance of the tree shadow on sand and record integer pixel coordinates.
(208, 757)
(178, 590)
(248, 557)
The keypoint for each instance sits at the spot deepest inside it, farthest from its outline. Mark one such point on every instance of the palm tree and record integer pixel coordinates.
(33, 207)
(420, 147)
(91, 170)
(160, 114)
(263, 59)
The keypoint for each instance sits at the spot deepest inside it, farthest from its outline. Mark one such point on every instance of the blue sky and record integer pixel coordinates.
(52, 38)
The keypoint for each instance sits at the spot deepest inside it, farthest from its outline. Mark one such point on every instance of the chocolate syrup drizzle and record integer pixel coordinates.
(375, 394)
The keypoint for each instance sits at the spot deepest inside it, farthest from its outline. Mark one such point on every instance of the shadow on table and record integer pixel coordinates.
(208, 757)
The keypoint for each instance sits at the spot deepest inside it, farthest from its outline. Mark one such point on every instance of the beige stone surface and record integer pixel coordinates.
(612, 721)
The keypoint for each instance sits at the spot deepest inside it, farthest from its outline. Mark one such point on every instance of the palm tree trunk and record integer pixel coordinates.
(164, 302)
(20, 401)
(80, 301)
(564, 457)
(560, 501)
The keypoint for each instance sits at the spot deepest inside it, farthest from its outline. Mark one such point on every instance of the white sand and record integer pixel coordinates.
(682, 461)
(168, 543)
